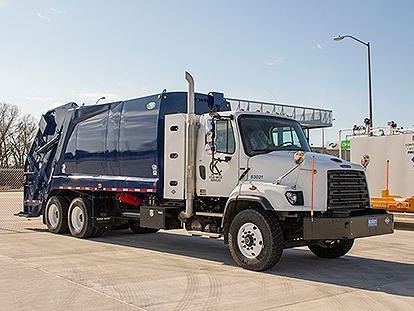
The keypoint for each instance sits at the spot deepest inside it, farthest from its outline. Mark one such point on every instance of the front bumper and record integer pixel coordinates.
(330, 228)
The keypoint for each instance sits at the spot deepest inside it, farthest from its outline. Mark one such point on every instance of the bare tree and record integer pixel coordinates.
(16, 135)
(23, 138)
(8, 117)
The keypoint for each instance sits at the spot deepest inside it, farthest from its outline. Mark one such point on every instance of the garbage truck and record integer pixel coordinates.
(185, 160)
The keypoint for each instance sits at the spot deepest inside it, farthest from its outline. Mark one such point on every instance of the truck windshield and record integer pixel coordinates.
(262, 134)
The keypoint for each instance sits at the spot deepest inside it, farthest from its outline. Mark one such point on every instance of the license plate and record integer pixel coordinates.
(372, 222)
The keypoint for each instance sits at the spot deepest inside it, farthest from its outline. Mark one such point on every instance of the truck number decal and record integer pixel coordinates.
(256, 177)
(216, 178)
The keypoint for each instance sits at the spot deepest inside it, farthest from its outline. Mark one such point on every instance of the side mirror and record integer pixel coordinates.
(209, 137)
(209, 148)
(299, 157)
(209, 130)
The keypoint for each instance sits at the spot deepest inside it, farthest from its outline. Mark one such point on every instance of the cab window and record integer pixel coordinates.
(224, 137)
(285, 136)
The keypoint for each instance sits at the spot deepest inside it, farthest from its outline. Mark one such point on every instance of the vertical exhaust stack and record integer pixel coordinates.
(191, 150)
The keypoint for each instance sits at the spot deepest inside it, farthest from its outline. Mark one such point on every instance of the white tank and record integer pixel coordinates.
(399, 150)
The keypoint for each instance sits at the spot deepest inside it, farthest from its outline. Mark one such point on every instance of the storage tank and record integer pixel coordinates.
(398, 149)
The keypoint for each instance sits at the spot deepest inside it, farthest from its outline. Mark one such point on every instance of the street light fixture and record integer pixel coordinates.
(103, 97)
(340, 38)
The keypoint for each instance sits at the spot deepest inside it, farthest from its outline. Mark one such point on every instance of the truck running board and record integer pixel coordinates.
(131, 215)
(207, 234)
(218, 215)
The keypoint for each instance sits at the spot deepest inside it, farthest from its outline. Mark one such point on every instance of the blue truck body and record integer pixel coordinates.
(108, 147)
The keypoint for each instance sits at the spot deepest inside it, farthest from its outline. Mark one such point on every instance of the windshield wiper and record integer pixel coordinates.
(271, 148)
(259, 151)
(293, 147)
(267, 149)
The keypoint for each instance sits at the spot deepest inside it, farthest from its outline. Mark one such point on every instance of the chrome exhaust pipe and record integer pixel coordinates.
(191, 150)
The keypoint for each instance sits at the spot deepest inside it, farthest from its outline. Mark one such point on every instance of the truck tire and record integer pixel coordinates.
(98, 232)
(332, 248)
(135, 228)
(79, 218)
(255, 239)
(56, 214)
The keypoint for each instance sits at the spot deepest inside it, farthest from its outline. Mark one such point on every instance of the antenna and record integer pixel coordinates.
(273, 95)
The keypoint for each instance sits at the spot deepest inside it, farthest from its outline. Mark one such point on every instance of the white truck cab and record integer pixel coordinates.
(259, 185)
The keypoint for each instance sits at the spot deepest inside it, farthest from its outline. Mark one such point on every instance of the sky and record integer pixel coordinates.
(54, 52)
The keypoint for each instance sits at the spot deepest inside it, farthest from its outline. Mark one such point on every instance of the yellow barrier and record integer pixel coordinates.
(395, 203)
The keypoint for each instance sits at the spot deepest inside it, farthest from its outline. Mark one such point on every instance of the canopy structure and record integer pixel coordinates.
(311, 118)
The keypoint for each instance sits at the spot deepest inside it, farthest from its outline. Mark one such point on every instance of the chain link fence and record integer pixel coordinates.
(11, 179)
(11, 202)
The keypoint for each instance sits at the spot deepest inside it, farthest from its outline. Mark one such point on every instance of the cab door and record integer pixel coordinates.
(217, 157)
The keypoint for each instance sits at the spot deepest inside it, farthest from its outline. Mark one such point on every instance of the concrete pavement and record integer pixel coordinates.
(174, 271)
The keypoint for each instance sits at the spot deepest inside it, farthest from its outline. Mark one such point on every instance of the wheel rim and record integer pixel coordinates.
(329, 243)
(53, 215)
(76, 218)
(250, 240)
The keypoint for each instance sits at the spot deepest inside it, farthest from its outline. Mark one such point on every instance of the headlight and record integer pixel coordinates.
(294, 197)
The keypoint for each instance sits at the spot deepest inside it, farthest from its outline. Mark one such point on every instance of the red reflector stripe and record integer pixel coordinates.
(107, 189)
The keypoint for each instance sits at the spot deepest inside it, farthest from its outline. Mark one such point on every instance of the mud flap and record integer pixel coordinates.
(102, 220)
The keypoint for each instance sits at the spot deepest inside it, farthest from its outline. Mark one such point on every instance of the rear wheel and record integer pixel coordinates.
(56, 214)
(79, 218)
(98, 232)
(255, 239)
(332, 248)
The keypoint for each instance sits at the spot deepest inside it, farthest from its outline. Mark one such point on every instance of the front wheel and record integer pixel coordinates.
(255, 239)
(332, 248)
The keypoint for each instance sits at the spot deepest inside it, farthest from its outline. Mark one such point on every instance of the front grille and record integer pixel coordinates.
(347, 189)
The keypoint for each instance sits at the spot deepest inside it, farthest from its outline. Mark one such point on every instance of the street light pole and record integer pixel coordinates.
(339, 38)
(369, 86)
